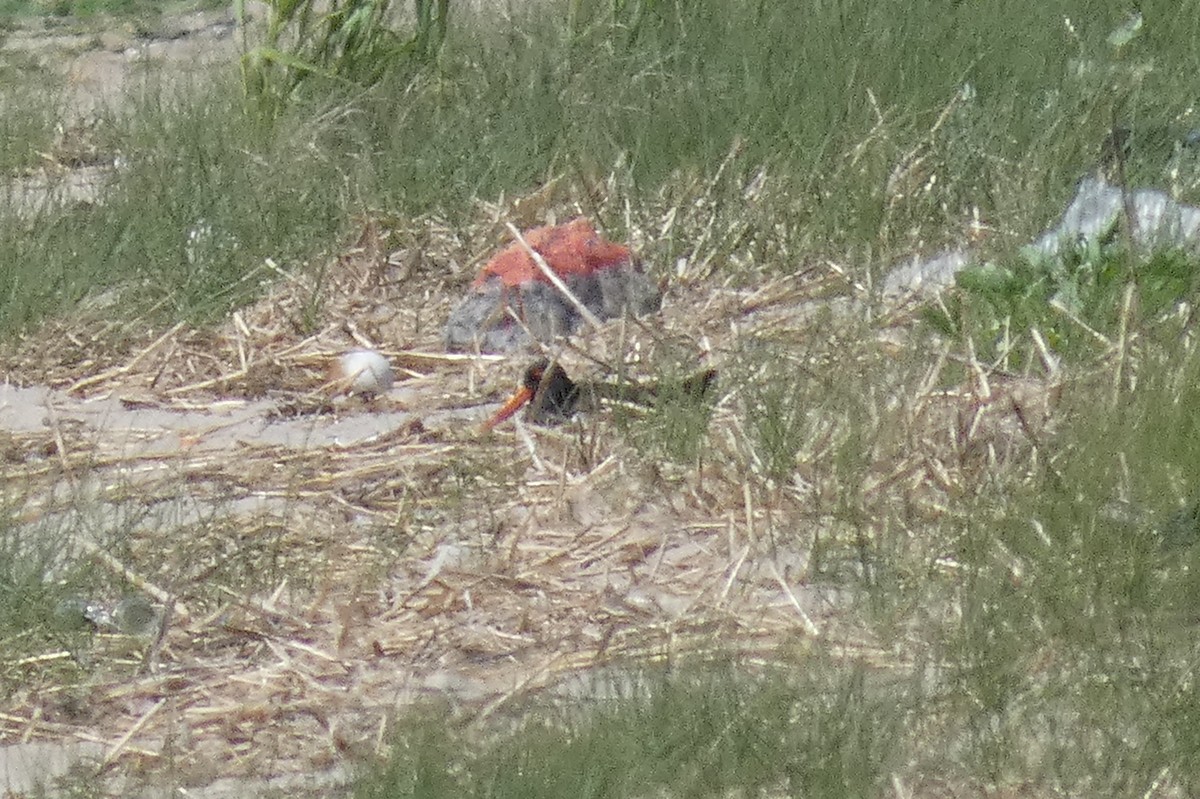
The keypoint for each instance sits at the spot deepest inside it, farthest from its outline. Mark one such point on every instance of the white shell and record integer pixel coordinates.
(367, 371)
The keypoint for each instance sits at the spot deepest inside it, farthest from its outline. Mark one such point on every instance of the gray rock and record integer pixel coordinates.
(485, 317)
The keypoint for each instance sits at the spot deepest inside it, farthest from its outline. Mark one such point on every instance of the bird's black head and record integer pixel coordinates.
(554, 395)
(535, 373)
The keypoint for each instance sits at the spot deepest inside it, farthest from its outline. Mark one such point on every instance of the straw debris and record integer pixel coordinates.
(318, 589)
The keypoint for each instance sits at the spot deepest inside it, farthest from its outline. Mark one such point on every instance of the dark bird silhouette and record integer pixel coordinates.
(553, 397)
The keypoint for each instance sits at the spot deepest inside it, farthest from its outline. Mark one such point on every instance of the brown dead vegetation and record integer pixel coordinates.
(321, 589)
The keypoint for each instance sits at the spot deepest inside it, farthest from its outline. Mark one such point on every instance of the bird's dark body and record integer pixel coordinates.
(556, 397)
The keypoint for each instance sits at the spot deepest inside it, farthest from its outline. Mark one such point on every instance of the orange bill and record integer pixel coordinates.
(514, 404)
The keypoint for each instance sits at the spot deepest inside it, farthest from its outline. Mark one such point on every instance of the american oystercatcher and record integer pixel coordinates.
(553, 397)
(512, 298)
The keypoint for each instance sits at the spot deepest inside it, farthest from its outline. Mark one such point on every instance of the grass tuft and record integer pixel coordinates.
(701, 732)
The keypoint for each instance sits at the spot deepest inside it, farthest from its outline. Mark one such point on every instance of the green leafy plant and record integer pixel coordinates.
(1075, 302)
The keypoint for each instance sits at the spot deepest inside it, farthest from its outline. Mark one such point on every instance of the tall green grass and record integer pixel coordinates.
(184, 226)
(40, 575)
(701, 732)
(348, 41)
(1074, 657)
(91, 8)
(836, 100)
(832, 97)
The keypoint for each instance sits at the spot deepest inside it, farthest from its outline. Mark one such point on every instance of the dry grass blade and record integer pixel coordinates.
(127, 368)
(115, 750)
(141, 583)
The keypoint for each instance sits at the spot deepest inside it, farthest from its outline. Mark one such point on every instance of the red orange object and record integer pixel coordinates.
(512, 300)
